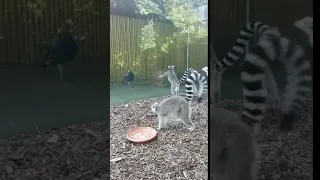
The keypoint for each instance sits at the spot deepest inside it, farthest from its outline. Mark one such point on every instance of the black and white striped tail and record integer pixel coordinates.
(242, 44)
(185, 75)
(271, 46)
(194, 77)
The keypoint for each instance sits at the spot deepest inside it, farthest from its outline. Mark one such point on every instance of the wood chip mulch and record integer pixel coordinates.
(177, 154)
(79, 152)
(82, 151)
(285, 156)
(174, 154)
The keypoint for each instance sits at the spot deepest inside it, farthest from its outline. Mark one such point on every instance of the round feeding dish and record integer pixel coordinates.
(141, 134)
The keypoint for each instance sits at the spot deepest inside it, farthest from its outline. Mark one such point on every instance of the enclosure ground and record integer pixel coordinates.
(176, 153)
(78, 152)
(285, 156)
(30, 98)
(81, 151)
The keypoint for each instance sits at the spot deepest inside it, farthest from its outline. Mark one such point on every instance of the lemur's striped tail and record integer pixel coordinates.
(242, 44)
(194, 77)
(271, 46)
(185, 75)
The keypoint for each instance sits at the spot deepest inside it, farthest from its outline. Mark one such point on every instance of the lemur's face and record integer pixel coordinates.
(154, 107)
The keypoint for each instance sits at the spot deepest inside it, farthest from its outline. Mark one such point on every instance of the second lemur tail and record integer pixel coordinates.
(185, 75)
(242, 43)
(271, 46)
(203, 84)
(194, 77)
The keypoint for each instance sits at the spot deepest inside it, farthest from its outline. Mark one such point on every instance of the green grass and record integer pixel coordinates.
(121, 93)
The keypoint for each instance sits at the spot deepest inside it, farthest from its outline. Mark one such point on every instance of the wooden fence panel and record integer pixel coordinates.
(25, 25)
(125, 36)
(228, 17)
(281, 13)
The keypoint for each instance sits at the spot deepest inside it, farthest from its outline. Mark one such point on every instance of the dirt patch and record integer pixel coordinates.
(82, 151)
(76, 152)
(174, 154)
(285, 156)
(177, 154)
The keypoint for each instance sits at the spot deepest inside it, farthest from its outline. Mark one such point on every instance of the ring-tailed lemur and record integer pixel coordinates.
(238, 50)
(174, 106)
(202, 79)
(172, 78)
(270, 47)
(234, 151)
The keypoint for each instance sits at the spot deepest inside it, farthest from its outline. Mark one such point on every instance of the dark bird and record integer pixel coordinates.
(64, 50)
(128, 77)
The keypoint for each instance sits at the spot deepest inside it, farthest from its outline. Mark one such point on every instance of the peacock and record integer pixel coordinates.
(128, 77)
(64, 50)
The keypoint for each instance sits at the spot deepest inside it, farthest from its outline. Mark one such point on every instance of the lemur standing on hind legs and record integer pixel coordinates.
(177, 106)
(237, 51)
(172, 78)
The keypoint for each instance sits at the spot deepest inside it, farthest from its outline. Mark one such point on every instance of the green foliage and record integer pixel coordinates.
(135, 67)
(119, 60)
(202, 33)
(183, 16)
(148, 37)
(148, 43)
(146, 7)
(35, 7)
(79, 7)
(165, 43)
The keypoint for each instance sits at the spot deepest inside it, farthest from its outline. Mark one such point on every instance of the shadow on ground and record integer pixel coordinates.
(30, 98)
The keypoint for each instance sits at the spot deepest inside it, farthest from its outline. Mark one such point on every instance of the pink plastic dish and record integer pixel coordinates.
(141, 134)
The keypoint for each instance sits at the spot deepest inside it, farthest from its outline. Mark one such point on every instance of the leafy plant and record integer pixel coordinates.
(146, 7)
(119, 60)
(148, 36)
(148, 43)
(79, 7)
(136, 65)
(35, 7)
(181, 13)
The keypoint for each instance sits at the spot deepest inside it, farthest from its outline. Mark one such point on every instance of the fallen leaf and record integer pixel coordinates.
(54, 138)
(116, 159)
